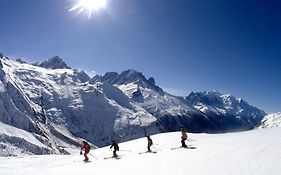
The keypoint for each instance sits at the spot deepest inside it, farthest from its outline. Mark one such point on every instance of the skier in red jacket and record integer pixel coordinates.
(86, 148)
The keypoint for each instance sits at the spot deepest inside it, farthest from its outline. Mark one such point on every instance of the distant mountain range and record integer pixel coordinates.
(58, 106)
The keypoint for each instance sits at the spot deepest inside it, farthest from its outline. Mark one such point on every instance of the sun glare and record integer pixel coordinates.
(88, 5)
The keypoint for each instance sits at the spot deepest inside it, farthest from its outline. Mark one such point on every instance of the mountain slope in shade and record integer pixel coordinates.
(18, 142)
(271, 121)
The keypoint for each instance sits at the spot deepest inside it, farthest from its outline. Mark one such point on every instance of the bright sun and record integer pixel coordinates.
(88, 5)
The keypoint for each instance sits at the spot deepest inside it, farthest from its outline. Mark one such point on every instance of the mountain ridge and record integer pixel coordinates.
(65, 105)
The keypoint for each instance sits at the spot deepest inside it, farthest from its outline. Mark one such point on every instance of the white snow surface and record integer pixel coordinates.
(271, 120)
(255, 152)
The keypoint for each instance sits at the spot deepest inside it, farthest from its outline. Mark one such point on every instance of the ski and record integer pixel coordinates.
(179, 147)
(88, 161)
(148, 152)
(112, 157)
(176, 148)
(187, 147)
(107, 158)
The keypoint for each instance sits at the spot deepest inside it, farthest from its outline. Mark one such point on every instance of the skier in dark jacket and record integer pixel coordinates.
(183, 137)
(149, 143)
(86, 148)
(116, 148)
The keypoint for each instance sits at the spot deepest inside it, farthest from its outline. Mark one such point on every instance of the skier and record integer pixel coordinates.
(116, 148)
(86, 148)
(149, 143)
(183, 137)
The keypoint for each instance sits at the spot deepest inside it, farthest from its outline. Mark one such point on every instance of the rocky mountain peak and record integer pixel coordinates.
(53, 63)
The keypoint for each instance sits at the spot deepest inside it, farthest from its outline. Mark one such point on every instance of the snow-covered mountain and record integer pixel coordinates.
(58, 106)
(225, 110)
(271, 121)
(170, 111)
(127, 77)
(61, 104)
(199, 112)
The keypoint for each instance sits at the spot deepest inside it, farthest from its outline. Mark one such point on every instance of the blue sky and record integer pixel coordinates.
(233, 46)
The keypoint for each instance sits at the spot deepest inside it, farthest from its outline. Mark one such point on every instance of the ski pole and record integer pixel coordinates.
(191, 140)
(93, 156)
(156, 148)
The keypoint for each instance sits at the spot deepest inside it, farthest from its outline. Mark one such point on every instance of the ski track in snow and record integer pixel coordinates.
(254, 152)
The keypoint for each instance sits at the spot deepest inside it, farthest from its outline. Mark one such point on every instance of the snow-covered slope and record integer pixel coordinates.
(271, 121)
(225, 110)
(255, 152)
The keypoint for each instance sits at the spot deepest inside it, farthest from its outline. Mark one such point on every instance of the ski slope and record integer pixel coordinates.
(254, 152)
